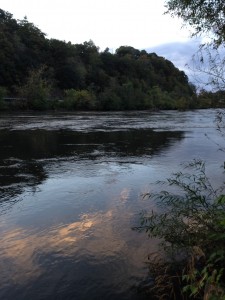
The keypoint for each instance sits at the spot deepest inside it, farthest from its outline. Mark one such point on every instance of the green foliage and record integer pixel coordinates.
(109, 100)
(191, 226)
(202, 15)
(81, 99)
(182, 104)
(161, 99)
(129, 79)
(207, 99)
(36, 90)
(128, 51)
(205, 17)
(3, 92)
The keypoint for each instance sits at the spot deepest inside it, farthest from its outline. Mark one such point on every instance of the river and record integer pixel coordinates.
(71, 190)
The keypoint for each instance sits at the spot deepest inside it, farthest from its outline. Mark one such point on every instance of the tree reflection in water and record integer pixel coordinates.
(25, 154)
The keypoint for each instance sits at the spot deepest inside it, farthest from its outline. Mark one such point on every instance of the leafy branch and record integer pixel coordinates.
(190, 223)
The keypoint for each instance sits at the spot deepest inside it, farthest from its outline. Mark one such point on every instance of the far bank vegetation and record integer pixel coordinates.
(40, 73)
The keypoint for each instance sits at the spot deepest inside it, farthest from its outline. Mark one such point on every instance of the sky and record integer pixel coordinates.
(182, 54)
(141, 24)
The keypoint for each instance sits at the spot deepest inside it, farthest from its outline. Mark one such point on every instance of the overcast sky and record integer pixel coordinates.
(181, 54)
(140, 24)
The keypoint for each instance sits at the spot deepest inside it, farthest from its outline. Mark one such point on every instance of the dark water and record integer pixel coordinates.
(71, 188)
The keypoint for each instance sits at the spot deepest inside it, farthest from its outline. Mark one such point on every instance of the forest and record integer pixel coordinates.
(40, 73)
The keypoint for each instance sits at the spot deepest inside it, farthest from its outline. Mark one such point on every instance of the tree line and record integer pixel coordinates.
(41, 73)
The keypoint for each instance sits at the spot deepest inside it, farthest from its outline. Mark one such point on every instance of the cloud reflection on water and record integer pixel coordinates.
(93, 234)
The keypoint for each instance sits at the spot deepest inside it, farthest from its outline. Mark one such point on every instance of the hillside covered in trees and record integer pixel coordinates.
(48, 73)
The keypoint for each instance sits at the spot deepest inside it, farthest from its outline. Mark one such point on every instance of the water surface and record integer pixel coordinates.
(71, 188)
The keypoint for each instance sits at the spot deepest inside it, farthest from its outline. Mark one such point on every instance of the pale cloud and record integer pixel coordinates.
(186, 56)
(108, 23)
(180, 54)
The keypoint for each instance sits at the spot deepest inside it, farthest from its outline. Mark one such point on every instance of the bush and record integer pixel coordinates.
(191, 226)
(109, 100)
(36, 90)
(79, 99)
(3, 93)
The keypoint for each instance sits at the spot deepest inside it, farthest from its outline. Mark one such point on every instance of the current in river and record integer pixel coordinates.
(71, 189)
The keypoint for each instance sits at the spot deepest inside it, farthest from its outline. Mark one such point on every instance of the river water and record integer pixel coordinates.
(71, 189)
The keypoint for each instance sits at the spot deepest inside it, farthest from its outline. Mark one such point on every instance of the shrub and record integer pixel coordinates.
(3, 93)
(191, 226)
(36, 90)
(79, 99)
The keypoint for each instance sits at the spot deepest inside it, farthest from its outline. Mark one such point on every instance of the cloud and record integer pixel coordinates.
(108, 23)
(186, 56)
(179, 53)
